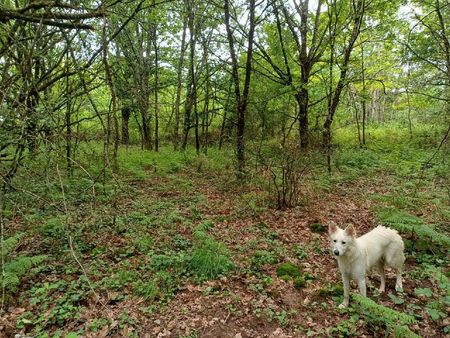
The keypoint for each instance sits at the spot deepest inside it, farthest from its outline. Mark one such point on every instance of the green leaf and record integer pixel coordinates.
(72, 335)
(423, 292)
(435, 314)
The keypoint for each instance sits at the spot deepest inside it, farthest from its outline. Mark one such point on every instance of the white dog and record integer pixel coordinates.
(379, 247)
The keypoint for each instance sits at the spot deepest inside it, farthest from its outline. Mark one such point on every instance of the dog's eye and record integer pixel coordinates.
(334, 241)
(343, 242)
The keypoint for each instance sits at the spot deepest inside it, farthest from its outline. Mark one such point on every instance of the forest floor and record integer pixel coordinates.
(184, 250)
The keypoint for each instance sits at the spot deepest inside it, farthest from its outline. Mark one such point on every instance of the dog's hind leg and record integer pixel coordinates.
(380, 267)
(395, 258)
(399, 282)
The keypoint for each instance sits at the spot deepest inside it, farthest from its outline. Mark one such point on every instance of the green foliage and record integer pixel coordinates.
(395, 321)
(299, 282)
(318, 228)
(331, 290)
(346, 328)
(300, 252)
(9, 244)
(288, 269)
(262, 257)
(209, 258)
(426, 292)
(354, 158)
(16, 267)
(57, 303)
(54, 228)
(404, 222)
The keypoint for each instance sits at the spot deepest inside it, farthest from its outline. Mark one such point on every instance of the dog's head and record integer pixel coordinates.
(341, 239)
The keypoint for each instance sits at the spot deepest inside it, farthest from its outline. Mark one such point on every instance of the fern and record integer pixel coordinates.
(395, 321)
(438, 275)
(15, 268)
(10, 244)
(404, 222)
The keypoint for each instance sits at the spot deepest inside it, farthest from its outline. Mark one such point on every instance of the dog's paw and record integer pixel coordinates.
(343, 306)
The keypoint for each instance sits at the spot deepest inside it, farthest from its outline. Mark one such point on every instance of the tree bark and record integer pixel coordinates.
(176, 130)
(241, 100)
(191, 88)
(126, 112)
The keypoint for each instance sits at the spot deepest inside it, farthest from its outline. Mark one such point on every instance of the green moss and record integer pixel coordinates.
(288, 269)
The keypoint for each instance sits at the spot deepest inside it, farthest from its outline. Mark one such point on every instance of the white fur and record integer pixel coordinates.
(378, 248)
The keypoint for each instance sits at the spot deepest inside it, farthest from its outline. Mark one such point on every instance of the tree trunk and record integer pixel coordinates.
(190, 92)
(363, 99)
(155, 45)
(241, 100)
(302, 98)
(225, 113)
(335, 95)
(126, 112)
(176, 130)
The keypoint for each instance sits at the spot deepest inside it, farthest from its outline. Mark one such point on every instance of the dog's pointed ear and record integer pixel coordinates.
(350, 230)
(332, 228)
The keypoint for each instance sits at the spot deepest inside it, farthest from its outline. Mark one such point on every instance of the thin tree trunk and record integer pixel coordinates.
(176, 130)
(225, 113)
(155, 44)
(363, 99)
(241, 100)
(190, 92)
(335, 94)
(126, 111)
(352, 99)
(68, 123)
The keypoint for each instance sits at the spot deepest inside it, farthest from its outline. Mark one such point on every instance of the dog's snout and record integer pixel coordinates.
(336, 252)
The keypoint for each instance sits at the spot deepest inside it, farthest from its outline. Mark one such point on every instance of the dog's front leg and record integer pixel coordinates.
(362, 285)
(346, 284)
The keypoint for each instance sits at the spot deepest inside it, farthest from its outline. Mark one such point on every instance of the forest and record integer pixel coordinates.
(170, 168)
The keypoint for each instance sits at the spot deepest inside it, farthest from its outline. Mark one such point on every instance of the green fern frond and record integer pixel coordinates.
(10, 281)
(21, 265)
(396, 321)
(404, 222)
(17, 268)
(10, 244)
(401, 331)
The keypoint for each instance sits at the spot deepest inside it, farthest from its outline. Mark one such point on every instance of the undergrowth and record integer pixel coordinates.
(15, 267)
(396, 322)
